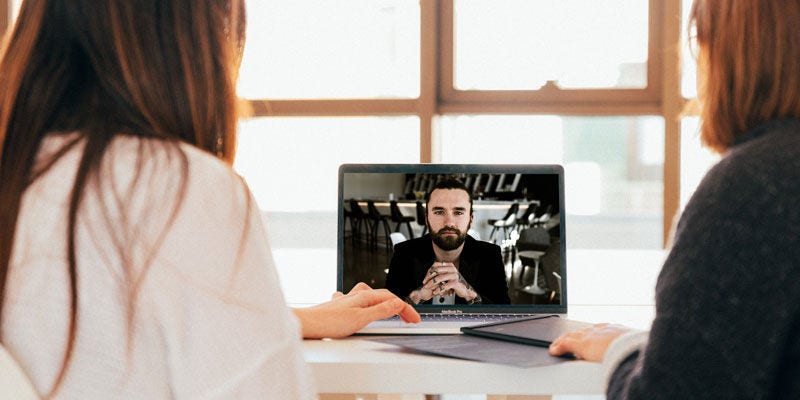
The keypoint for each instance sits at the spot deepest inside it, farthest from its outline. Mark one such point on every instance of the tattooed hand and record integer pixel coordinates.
(441, 279)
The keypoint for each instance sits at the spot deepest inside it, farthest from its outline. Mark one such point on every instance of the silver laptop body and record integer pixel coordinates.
(379, 206)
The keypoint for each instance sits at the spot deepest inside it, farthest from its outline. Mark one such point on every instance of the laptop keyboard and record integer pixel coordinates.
(473, 317)
(437, 317)
(437, 323)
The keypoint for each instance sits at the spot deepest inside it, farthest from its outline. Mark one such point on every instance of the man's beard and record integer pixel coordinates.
(448, 242)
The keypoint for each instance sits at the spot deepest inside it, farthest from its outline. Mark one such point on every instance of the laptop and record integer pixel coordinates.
(382, 205)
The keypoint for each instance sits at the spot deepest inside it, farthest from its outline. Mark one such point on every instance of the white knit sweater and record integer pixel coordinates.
(209, 319)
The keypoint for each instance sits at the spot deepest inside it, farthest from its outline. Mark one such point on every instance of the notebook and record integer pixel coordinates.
(536, 331)
(516, 208)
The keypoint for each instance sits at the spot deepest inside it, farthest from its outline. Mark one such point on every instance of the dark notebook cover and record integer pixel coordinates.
(537, 331)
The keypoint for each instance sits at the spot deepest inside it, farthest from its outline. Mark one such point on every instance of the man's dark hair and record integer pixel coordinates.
(450, 183)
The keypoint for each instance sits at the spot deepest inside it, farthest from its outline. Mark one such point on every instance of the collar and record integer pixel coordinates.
(781, 124)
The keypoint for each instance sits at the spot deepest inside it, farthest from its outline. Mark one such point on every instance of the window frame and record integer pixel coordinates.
(662, 96)
(550, 98)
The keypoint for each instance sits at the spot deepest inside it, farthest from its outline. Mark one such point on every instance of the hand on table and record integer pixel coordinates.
(588, 343)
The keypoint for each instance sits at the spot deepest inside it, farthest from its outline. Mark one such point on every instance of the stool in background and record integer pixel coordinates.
(532, 245)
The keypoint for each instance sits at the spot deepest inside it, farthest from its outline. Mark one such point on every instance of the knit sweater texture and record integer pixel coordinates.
(727, 322)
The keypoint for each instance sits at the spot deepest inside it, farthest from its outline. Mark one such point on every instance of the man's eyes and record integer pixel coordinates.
(441, 212)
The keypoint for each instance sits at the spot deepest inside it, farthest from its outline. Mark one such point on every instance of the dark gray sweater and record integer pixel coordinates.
(727, 322)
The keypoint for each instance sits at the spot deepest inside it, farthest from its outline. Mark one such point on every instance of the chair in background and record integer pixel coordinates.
(358, 220)
(378, 219)
(421, 218)
(526, 219)
(542, 216)
(532, 244)
(348, 220)
(555, 294)
(397, 237)
(506, 223)
(14, 382)
(399, 219)
(550, 270)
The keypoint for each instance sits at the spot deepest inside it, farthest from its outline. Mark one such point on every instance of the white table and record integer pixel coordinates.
(604, 285)
(356, 365)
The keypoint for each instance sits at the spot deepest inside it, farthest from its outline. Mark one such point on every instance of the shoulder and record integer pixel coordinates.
(771, 135)
(763, 168)
(165, 168)
(212, 174)
(415, 244)
(473, 246)
(746, 200)
(480, 244)
(767, 153)
(165, 153)
(215, 193)
(168, 190)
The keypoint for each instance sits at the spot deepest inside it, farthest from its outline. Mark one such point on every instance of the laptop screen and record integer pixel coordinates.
(401, 225)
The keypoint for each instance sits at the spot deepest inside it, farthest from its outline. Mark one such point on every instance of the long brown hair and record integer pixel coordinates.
(161, 69)
(749, 52)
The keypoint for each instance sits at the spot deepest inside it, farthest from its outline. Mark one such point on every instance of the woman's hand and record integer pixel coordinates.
(347, 313)
(588, 343)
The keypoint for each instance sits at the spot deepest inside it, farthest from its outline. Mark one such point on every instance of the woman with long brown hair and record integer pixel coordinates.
(727, 321)
(133, 262)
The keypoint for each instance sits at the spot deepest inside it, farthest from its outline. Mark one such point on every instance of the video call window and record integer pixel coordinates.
(518, 214)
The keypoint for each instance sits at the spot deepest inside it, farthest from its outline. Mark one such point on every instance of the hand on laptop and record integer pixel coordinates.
(588, 343)
(347, 313)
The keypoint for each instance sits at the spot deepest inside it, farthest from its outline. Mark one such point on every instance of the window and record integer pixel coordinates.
(553, 55)
(15, 4)
(595, 85)
(695, 160)
(291, 166)
(575, 44)
(688, 65)
(613, 168)
(309, 49)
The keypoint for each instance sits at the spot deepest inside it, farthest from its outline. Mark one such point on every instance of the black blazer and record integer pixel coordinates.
(480, 264)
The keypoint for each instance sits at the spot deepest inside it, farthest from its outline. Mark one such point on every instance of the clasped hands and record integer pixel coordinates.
(440, 279)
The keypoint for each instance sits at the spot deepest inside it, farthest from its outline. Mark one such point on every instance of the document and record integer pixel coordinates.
(476, 349)
(520, 343)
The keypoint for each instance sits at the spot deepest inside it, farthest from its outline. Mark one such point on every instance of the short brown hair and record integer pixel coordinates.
(750, 51)
(453, 184)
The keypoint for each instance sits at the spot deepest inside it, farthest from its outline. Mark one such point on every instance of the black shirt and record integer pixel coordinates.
(480, 264)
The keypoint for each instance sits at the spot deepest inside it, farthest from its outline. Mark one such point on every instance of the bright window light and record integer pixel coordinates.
(525, 43)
